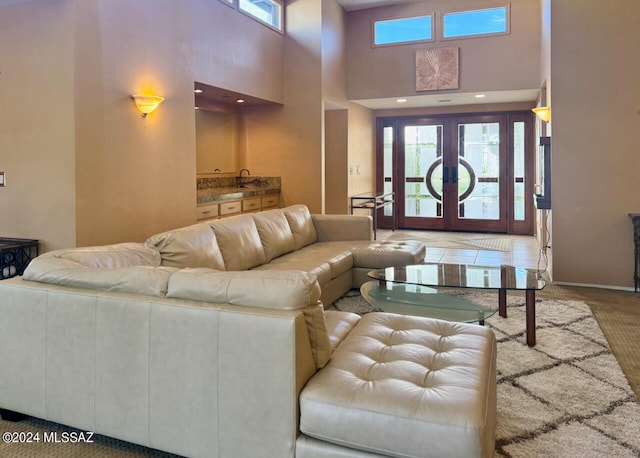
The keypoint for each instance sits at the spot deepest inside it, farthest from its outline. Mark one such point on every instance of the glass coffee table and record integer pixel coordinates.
(407, 290)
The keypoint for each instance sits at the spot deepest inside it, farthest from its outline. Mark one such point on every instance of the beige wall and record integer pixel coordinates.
(336, 161)
(82, 166)
(290, 140)
(287, 140)
(506, 62)
(595, 154)
(361, 144)
(349, 130)
(37, 122)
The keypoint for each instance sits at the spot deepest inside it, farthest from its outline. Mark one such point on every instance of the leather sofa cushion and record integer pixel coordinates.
(293, 261)
(339, 325)
(146, 280)
(326, 260)
(433, 380)
(336, 254)
(239, 242)
(275, 233)
(111, 256)
(191, 246)
(301, 224)
(287, 290)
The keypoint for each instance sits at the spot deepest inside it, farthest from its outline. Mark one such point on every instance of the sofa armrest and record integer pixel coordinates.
(343, 227)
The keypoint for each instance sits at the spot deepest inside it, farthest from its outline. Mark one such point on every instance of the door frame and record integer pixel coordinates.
(507, 120)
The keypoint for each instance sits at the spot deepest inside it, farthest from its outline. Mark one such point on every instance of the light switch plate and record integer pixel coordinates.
(2, 182)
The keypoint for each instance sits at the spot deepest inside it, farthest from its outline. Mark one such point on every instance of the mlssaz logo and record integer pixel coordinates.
(67, 437)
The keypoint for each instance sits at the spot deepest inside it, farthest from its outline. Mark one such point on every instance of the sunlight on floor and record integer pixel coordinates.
(473, 248)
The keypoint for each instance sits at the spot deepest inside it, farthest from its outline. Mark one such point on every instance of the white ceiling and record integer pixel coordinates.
(440, 99)
(450, 99)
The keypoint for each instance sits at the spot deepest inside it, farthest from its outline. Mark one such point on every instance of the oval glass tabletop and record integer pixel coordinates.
(417, 300)
(463, 276)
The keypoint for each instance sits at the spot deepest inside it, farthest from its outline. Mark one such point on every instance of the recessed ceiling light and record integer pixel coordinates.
(480, 96)
(197, 108)
(240, 101)
(401, 100)
(198, 91)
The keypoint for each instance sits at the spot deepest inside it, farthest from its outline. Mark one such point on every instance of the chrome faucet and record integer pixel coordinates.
(240, 183)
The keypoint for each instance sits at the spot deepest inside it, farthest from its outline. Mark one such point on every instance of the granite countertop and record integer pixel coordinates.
(214, 195)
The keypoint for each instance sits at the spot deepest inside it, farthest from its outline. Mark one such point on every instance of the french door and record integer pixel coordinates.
(462, 173)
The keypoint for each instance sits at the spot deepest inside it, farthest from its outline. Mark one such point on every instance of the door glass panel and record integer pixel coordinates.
(423, 171)
(518, 171)
(478, 171)
(387, 133)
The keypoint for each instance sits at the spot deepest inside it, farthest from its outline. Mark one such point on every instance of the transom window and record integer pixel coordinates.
(404, 30)
(489, 21)
(268, 12)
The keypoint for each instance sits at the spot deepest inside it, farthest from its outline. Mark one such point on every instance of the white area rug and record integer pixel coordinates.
(565, 397)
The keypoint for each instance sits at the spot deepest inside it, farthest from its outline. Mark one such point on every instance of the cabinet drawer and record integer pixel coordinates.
(207, 211)
(228, 208)
(251, 204)
(271, 201)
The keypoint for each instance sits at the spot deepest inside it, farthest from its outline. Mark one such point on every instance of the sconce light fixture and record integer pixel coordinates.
(147, 103)
(543, 113)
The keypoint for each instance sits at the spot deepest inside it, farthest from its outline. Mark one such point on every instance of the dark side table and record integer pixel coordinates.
(635, 219)
(15, 255)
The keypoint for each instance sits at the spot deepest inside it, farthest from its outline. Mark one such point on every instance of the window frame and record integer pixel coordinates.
(505, 6)
(430, 14)
(281, 18)
(231, 3)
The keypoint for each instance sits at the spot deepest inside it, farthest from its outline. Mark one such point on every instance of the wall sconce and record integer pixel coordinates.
(543, 113)
(147, 103)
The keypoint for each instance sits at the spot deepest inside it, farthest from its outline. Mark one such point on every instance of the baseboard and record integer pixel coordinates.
(590, 285)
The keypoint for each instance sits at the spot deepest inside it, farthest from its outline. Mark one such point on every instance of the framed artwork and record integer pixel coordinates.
(436, 69)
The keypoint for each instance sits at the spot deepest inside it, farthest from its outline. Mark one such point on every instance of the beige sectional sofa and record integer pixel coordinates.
(212, 341)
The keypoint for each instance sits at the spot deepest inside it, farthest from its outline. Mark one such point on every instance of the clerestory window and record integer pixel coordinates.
(488, 21)
(403, 30)
(268, 12)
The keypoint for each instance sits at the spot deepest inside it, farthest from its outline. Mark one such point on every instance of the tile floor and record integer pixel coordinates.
(457, 247)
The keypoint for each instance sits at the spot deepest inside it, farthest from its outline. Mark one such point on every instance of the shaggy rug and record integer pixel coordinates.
(565, 397)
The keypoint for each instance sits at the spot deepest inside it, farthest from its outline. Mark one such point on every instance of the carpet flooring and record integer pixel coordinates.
(567, 396)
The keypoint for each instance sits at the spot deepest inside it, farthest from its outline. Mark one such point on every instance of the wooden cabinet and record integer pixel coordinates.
(234, 207)
(271, 201)
(229, 208)
(251, 205)
(207, 212)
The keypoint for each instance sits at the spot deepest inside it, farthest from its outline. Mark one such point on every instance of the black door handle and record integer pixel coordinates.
(454, 175)
(445, 175)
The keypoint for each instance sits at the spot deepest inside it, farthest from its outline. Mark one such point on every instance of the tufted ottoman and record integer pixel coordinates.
(388, 253)
(404, 386)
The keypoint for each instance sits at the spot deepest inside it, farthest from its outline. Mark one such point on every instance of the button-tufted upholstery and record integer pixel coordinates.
(381, 254)
(407, 386)
(392, 253)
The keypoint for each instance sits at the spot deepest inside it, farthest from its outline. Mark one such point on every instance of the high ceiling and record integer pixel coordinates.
(351, 5)
(440, 99)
